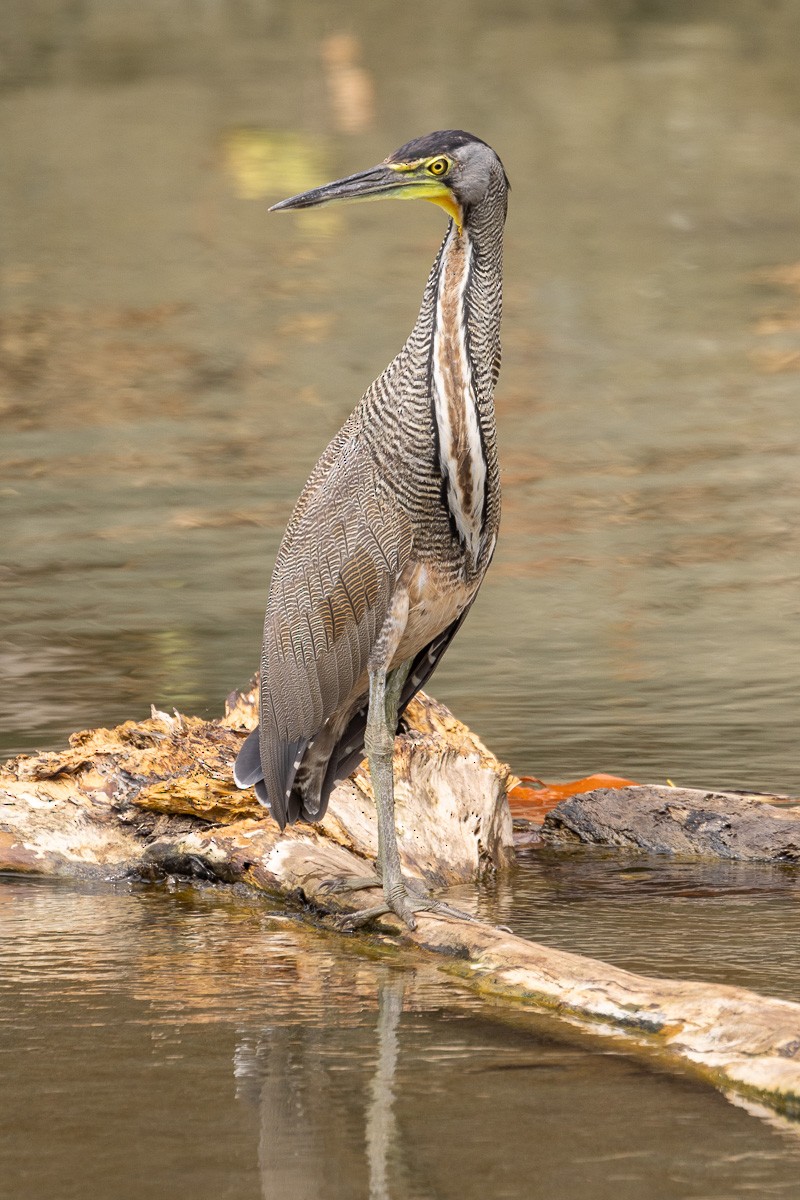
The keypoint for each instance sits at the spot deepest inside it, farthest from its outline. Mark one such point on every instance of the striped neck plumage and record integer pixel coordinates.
(456, 390)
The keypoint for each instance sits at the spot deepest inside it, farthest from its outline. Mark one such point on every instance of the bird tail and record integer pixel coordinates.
(248, 772)
(247, 769)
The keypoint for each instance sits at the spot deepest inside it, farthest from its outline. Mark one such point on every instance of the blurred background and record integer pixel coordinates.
(173, 360)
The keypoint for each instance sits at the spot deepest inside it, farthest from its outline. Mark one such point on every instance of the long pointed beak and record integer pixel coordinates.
(373, 184)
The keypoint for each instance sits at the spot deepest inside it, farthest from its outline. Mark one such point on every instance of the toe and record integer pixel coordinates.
(349, 883)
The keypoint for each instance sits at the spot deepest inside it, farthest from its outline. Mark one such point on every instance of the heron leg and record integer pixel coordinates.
(384, 700)
(402, 897)
(385, 690)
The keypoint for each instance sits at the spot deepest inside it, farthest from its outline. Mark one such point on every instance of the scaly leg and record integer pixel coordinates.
(384, 697)
(384, 701)
(400, 897)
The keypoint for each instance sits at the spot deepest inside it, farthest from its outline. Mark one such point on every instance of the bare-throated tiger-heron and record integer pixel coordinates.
(394, 530)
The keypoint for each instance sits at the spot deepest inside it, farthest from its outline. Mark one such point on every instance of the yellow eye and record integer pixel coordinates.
(439, 166)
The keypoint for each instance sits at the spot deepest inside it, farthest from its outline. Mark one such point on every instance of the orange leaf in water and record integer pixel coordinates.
(534, 802)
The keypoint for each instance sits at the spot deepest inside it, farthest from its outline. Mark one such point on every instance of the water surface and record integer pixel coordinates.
(174, 360)
(155, 1040)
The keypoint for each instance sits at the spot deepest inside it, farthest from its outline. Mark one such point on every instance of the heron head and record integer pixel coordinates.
(451, 168)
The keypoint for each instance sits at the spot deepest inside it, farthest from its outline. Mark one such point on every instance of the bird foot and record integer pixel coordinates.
(363, 883)
(404, 904)
(350, 883)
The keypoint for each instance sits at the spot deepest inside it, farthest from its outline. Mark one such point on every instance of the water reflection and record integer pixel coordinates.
(381, 1126)
(171, 363)
(351, 86)
(241, 1052)
(690, 920)
(309, 1089)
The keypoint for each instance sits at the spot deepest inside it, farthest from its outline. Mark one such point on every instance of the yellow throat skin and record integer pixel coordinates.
(427, 188)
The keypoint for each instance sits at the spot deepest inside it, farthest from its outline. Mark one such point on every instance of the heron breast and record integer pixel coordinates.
(435, 600)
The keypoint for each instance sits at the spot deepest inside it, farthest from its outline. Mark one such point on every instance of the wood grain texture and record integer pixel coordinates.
(154, 798)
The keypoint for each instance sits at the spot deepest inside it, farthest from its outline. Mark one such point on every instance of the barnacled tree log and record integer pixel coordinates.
(684, 821)
(155, 797)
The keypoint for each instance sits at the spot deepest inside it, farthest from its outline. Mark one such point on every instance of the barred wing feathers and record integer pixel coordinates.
(342, 554)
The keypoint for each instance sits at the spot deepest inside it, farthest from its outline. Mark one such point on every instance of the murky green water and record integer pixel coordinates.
(723, 922)
(172, 361)
(155, 1042)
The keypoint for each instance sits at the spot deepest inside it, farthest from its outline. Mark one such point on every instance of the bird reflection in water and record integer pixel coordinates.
(297, 1075)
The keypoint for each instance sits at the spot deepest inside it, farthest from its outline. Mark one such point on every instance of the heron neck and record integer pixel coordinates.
(465, 299)
(465, 289)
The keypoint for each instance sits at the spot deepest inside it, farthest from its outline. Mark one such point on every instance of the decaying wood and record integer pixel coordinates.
(101, 803)
(682, 821)
(155, 797)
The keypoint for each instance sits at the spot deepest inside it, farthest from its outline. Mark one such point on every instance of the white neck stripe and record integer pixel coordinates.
(454, 403)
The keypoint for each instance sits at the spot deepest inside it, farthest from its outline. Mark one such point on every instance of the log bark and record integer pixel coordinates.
(684, 821)
(155, 797)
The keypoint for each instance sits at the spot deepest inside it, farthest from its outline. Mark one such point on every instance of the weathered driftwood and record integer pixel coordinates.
(105, 804)
(155, 796)
(682, 821)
